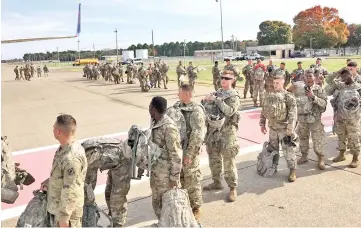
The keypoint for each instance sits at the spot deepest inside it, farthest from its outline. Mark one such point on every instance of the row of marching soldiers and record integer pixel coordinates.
(152, 77)
(294, 115)
(28, 72)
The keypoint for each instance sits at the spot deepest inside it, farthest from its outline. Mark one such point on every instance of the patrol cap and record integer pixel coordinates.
(352, 64)
(299, 62)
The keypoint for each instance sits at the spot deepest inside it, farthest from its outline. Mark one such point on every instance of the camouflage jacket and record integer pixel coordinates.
(297, 74)
(7, 162)
(195, 127)
(181, 70)
(169, 163)
(247, 71)
(230, 108)
(65, 193)
(280, 108)
(216, 72)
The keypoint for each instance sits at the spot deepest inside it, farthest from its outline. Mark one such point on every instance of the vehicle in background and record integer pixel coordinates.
(240, 57)
(79, 62)
(254, 56)
(228, 58)
(298, 54)
(135, 61)
(320, 54)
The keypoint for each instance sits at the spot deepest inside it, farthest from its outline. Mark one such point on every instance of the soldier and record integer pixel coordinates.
(21, 70)
(287, 74)
(65, 187)
(190, 72)
(16, 71)
(164, 69)
(280, 109)
(216, 72)
(311, 103)
(346, 105)
(247, 71)
(115, 74)
(121, 72)
(38, 70)
(157, 75)
(130, 73)
(196, 129)
(143, 79)
(222, 142)
(32, 70)
(181, 70)
(165, 171)
(259, 71)
(321, 73)
(235, 70)
(46, 71)
(298, 74)
(27, 72)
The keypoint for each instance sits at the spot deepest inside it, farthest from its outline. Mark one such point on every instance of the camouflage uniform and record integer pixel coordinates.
(115, 74)
(7, 163)
(164, 69)
(116, 191)
(121, 72)
(21, 73)
(224, 145)
(130, 73)
(143, 79)
(344, 121)
(191, 173)
(192, 74)
(259, 84)
(180, 71)
(65, 194)
(297, 75)
(46, 71)
(32, 70)
(16, 71)
(280, 109)
(216, 72)
(322, 74)
(38, 69)
(166, 169)
(27, 72)
(247, 71)
(309, 112)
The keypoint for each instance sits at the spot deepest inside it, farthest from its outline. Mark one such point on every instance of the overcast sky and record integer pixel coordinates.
(172, 20)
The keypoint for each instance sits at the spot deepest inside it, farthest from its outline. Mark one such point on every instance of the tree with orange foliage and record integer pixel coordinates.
(323, 25)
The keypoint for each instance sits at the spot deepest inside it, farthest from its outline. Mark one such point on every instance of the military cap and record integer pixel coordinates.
(318, 59)
(352, 64)
(299, 62)
(279, 74)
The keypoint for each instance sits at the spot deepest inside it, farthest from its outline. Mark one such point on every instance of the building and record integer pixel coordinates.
(280, 51)
(210, 53)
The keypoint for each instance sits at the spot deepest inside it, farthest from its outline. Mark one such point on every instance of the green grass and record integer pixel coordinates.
(205, 76)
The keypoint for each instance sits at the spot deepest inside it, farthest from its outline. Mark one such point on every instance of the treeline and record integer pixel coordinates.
(167, 49)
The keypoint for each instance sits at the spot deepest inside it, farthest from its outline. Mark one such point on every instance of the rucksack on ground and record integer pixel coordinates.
(35, 214)
(267, 160)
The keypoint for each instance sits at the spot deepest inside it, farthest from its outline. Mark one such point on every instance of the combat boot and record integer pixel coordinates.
(255, 104)
(232, 194)
(321, 163)
(355, 162)
(197, 213)
(292, 175)
(303, 159)
(216, 185)
(340, 157)
(244, 96)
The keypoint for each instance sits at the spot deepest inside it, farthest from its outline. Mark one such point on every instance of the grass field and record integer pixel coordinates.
(205, 76)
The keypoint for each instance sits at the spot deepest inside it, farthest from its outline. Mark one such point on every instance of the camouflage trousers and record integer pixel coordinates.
(347, 130)
(116, 79)
(317, 132)
(21, 76)
(248, 85)
(258, 90)
(159, 184)
(91, 176)
(163, 78)
(178, 81)
(129, 78)
(116, 191)
(218, 156)
(190, 179)
(73, 221)
(276, 136)
(192, 82)
(216, 83)
(39, 74)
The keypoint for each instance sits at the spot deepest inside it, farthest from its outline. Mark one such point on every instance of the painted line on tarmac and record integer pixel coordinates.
(100, 189)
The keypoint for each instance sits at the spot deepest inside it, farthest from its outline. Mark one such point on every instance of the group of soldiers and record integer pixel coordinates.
(151, 77)
(28, 72)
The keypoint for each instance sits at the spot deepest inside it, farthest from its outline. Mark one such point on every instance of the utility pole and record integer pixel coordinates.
(232, 44)
(311, 45)
(94, 50)
(153, 48)
(116, 43)
(236, 44)
(78, 49)
(220, 7)
(184, 51)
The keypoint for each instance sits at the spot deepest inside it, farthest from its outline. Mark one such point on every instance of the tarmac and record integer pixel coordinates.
(318, 198)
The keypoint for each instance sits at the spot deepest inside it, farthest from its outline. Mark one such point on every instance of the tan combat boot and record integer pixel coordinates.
(355, 162)
(340, 157)
(216, 185)
(303, 159)
(255, 104)
(292, 175)
(232, 195)
(197, 213)
(321, 163)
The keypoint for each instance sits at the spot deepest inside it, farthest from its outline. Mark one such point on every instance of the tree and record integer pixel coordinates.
(354, 38)
(274, 32)
(321, 24)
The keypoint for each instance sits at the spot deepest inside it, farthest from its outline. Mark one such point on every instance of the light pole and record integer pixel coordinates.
(311, 45)
(220, 7)
(116, 42)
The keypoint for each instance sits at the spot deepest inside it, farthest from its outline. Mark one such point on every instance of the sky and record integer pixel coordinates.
(171, 20)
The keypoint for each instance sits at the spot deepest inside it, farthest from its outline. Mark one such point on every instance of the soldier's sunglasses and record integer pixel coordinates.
(226, 78)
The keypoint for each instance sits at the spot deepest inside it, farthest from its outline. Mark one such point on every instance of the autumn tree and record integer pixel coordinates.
(274, 32)
(323, 25)
(354, 38)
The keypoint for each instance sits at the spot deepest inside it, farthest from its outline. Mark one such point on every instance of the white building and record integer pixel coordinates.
(216, 52)
(280, 51)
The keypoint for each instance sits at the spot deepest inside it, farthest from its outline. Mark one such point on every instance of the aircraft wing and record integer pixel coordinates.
(49, 38)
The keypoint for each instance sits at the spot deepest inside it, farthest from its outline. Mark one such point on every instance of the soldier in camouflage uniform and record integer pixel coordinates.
(196, 129)
(191, 71)
(247, 71)
(32, 70)
(235, 71)
(346, 104)
(259, 71)
(280, 108)
(65, 187)
(143, 78)
(27, 72)
(16, 71)
(46, 71)
(181, 70)
(216, 72)
(121, 72)
(298, 74)
(130, 73)
(165, 171)
(222, 143)
(38, 69)
(311, 103)
(115, 74)
(269, 76)
(287, 74)
(320, 72)
(21, 70)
